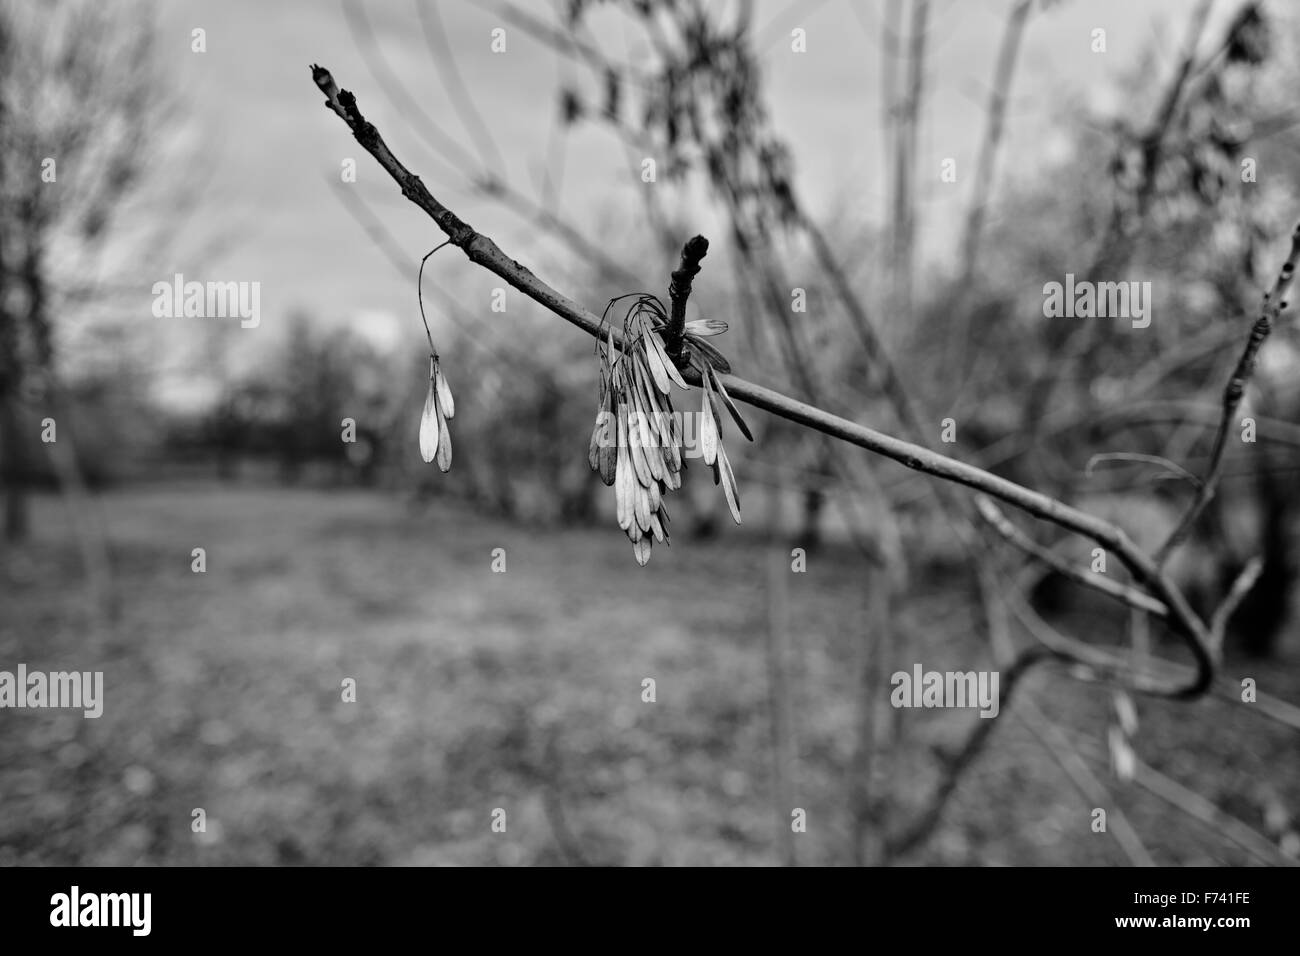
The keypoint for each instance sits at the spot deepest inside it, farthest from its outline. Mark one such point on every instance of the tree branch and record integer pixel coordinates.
(1233, 393)
(1121, 592)
(484, 252)
(679, 290)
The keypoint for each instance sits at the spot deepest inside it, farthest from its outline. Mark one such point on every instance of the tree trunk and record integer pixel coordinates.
(13, 466)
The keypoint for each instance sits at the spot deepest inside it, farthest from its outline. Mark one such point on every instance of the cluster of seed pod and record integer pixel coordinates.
(637, 443)
(435, 438)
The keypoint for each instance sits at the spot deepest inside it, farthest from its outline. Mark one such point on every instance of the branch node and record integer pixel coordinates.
(679, 290)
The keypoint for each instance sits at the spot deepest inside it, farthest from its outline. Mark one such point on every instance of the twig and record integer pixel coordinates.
(905, 158)
(872, 666)
(565, 41)
(1274, 303)
(1172, 467)
(456, 157)
(456, 313)
(1099, 664)
(1121, 592)
(679, 290)
(1119, 239)
(924, 823)
(780, 705)
(872, 343)
(551, 780)
(986, 163)
(1240, 588)
(445, 60)
(982, 191)
(1057, 743)
(1202, 810)
(484, 252)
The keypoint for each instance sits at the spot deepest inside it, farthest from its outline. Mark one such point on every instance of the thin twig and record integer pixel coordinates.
(445, 60)
(1108, 586)
(1240, 588)
(924, 823)
(1204, 811)
(450, 152)
(987, 161)
(1274, 303)
(679, 290)
(1057, 743)
(1171, 467)
(419, 295)
(457, 313)
(1121, 235)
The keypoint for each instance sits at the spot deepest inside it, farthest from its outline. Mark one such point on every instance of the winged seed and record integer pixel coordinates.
(429, 426)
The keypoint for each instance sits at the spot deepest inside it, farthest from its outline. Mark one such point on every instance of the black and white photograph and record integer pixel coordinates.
(650, 433)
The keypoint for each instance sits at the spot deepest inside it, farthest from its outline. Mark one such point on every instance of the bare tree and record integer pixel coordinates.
(80, 105)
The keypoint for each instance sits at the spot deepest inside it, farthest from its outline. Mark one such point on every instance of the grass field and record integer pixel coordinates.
(522, 691)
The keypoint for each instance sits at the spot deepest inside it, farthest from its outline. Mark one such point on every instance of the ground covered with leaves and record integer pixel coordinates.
(522, 691)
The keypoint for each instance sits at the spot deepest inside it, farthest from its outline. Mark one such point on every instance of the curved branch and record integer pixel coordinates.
(1121, 592)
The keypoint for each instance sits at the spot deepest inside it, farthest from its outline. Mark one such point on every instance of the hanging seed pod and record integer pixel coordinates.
(708, 427)
(658, 349)
(703, 355)
(706, 327)
(593, 447)
(655, 363)
(444, 445)
(730, 406)
(729, 484)
(624, 479)
(608, 452)
(439, 406)
(643, 458)
(435, 438)
(654, 459)
(642, 509)
(444, 392)
(429, 425)
(640, 466)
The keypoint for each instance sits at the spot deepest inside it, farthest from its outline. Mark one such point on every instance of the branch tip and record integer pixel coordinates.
(679, 290)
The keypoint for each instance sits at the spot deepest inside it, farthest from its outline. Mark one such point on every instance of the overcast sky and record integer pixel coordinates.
(258, 121)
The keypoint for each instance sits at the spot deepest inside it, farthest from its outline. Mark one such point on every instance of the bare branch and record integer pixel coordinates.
(1240, 588)
(1057, 743)
(1273, 304)
(1202, 810)
(997, 111)
(924, 822)
(455, 157)
(679, 290)
(1171, 467)
(1108, 586)
(483, 251)
(445, 60)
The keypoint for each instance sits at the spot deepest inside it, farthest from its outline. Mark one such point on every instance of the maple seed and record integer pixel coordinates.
(429, 426)
(636, 444)
(435, 437)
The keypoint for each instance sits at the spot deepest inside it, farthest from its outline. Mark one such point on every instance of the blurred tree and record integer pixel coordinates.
(79, 103)
(292, 409)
